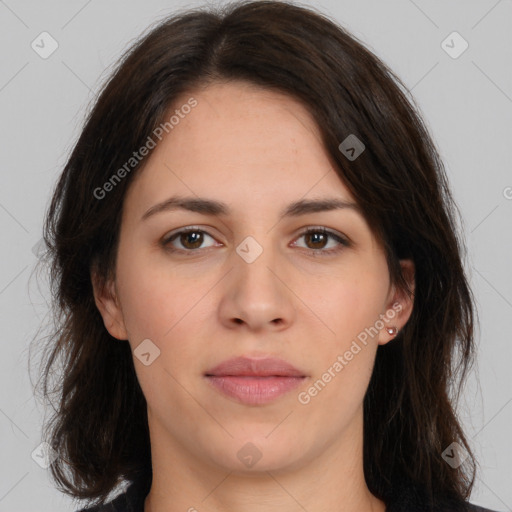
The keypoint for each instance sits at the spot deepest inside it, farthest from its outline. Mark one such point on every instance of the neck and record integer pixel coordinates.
(331, 480)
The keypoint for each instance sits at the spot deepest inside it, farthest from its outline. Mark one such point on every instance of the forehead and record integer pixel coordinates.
(234, 117)
(243, 142)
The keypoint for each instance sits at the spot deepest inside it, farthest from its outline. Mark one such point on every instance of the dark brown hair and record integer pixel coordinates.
(99, 428)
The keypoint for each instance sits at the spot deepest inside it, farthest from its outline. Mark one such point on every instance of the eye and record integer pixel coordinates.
(190, 240)
(318, 239)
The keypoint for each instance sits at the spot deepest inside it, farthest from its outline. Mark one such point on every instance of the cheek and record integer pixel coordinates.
(166, 307)
(164, 310)
(349, 304)
(151, 301)
(347, 358)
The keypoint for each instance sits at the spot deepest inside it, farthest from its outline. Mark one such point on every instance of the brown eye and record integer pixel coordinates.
(317, 239)
(189, 240)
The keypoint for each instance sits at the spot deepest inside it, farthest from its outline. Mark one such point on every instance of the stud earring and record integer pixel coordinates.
(392, 330)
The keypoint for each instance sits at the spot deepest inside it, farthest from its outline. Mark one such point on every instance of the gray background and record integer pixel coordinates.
(466, 102)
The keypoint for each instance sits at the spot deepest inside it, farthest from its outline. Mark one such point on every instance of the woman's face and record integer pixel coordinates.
(249, 282)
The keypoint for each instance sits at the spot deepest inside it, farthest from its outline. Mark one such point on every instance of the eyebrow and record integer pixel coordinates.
(218, 209)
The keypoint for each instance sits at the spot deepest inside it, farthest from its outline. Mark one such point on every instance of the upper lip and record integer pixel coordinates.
(243, 366)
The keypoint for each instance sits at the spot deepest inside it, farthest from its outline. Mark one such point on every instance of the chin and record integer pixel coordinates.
(257, 453)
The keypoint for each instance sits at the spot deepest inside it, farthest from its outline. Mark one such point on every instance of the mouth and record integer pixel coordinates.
(254, 381)
(254, 390)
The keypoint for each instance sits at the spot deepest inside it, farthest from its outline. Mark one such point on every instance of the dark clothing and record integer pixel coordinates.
(132, 500)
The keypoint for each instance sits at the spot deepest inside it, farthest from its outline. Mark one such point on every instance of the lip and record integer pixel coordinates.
(250, 366)
(254, 381)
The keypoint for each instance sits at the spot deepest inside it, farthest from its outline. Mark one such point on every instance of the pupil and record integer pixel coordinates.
(191, 236)
(320, 235)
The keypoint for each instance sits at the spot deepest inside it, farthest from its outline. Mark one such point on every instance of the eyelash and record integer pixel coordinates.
(314, 252)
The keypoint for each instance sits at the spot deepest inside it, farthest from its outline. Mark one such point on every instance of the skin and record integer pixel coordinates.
(257, 151)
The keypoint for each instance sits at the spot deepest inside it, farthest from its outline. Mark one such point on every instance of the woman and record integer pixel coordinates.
(263, 304)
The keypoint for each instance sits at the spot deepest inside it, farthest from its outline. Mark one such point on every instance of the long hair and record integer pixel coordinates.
(99, 428)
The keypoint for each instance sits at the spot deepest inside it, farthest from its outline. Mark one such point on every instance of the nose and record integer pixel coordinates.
(257, 295)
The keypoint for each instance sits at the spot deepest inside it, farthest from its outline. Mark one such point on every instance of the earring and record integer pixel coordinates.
(392, 330)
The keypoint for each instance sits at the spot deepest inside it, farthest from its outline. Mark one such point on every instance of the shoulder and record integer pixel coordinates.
(414, 498)
(131, 500)
(460, 507)
(476, 508)
(119, 504)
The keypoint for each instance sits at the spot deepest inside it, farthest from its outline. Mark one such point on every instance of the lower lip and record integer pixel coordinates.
(254, 390)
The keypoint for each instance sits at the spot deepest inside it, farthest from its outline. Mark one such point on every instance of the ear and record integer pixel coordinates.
(399, 306)
(105, 297)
